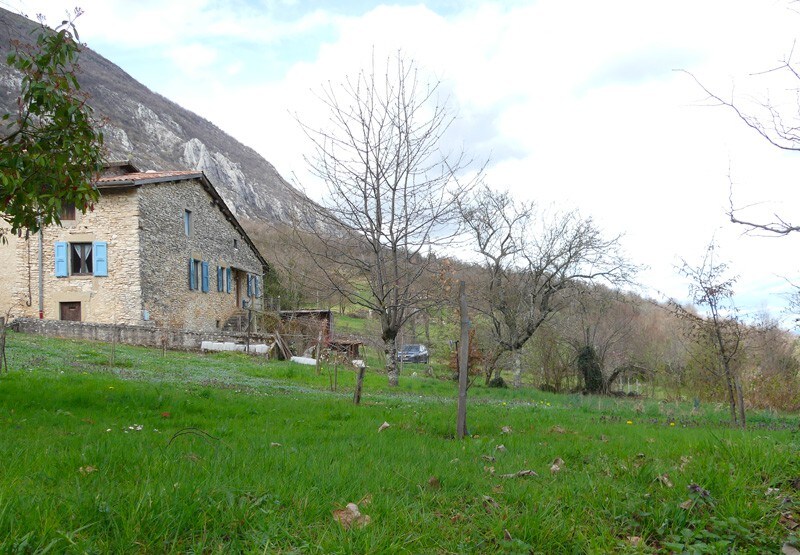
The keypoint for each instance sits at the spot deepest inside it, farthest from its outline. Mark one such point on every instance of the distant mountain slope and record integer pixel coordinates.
(156, 133)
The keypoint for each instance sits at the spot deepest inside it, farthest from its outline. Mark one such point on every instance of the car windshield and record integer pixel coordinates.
(411, 349)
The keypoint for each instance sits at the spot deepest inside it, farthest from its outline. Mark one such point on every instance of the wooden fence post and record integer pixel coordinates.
(463, 362)
(360, 369)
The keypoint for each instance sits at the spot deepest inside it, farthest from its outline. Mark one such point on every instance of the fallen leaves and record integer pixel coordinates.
(88, 469)
(500, 448)
(520, 474)
(664, 480)
(351, 516)
(789, 521)
(556, 466)
(434, 483)
(686, 505)
(506, 430)
(383, 426)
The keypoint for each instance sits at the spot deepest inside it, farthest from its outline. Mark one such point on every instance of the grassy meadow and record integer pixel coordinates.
(229, 453)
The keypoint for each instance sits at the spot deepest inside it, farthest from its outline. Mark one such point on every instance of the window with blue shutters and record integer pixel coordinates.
(220, 279)
(61, 260)
(228, 279)
(249, 285)
(100, 258)
(86, 259)
(205, 276)
(257, 281)
(192, 274)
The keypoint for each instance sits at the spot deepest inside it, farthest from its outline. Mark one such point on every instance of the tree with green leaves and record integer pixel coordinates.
(51, 149)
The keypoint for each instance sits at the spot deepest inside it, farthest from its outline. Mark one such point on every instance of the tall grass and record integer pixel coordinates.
(223, 452)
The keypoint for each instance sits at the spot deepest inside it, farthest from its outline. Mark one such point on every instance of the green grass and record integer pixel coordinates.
(238, 455)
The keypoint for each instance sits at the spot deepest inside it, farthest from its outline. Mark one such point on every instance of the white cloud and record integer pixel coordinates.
(577, 101)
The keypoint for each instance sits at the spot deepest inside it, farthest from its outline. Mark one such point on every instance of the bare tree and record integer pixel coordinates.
(776, 122)
(390, 198)
(530, 261)
(599, 327)
(721, 330)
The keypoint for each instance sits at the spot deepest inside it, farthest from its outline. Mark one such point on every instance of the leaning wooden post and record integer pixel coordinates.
(361, 367)
(319, 352)
(463, 362)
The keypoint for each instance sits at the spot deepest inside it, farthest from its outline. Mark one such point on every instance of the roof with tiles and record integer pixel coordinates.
(140, 178)
(123, 174)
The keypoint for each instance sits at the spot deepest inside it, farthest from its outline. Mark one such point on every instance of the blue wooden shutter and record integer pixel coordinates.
(249, 285)
(204, 267)
(61, 260)
(220, 274)
(192, 277)
(100, 258)
(257, 281)
(229, 275)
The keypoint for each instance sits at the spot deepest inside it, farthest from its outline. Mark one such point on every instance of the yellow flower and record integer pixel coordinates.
(629, 422)
(672, 423)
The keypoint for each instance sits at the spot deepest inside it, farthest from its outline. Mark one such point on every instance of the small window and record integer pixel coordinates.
(70, 311)
(235, 243)
(187, 222)
(195, 274)
(67, 212)
(81, 258)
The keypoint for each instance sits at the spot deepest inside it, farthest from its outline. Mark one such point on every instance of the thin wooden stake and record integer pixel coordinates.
(463, 362)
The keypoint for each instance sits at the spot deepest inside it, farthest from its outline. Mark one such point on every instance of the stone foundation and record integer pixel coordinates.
(147, 336)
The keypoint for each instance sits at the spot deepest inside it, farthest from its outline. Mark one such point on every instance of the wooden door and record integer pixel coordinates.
(71, 311)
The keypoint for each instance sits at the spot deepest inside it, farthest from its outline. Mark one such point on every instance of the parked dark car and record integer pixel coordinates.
(413, 353)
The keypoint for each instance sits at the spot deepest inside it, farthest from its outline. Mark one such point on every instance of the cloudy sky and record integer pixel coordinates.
(577, 103)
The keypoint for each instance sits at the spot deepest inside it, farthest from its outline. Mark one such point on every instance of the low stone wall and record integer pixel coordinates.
(148, 336)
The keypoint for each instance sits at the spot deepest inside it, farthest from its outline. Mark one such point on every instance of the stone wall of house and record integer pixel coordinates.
(166, 250)
(115, 298)
(148, 336)
(9, 268)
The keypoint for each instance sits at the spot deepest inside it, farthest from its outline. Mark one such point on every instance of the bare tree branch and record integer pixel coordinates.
(392, 193)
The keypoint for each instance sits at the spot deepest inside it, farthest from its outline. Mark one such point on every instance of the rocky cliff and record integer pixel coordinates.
(156, 133)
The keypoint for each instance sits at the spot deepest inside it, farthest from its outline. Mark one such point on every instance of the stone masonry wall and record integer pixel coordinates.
(115, 298)
(9, 267)
(147, 336)
(166, 251)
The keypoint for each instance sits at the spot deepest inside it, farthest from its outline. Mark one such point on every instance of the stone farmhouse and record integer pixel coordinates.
(158, 249)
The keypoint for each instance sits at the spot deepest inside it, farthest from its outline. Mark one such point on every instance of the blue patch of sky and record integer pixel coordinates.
(640, 67)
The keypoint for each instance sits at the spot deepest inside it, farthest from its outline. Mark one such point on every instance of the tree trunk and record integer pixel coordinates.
(740, 399)
(517, 369)
(489, 364)
(731, 396)
(390, 349)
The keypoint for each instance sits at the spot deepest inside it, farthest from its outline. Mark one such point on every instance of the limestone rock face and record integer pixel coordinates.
(157, 134)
